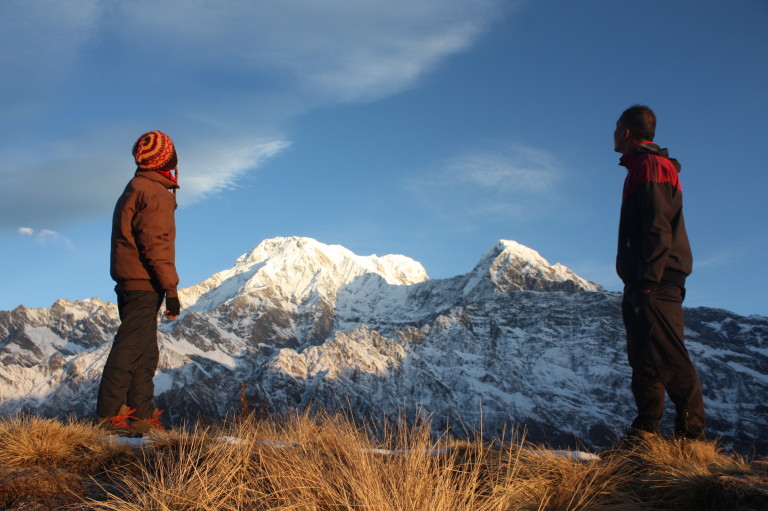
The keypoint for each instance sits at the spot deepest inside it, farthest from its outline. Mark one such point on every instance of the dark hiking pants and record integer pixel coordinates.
(660, 361)
(130, 368)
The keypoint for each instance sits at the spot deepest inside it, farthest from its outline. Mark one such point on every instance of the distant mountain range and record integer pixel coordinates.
(514, 342)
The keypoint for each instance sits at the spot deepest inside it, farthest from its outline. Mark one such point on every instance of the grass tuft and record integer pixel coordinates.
(27, 441)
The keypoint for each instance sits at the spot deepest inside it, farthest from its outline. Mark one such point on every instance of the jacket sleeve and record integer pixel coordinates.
(155, 234)
(654, 202)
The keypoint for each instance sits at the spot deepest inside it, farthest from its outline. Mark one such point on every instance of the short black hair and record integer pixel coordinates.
(640, 120)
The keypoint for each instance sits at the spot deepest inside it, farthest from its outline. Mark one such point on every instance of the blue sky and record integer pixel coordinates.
(428, 128)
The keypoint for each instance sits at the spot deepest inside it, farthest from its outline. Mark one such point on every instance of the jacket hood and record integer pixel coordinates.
(651, 148)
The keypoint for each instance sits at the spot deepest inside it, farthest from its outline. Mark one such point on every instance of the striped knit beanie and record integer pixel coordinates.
(154, 151)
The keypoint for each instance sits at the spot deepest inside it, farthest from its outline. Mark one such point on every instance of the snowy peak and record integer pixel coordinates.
(302, 271)
(295, 270)
(511, 266)
(281, 252)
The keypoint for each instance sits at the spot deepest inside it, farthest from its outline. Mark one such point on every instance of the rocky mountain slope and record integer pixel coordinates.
(514, 342)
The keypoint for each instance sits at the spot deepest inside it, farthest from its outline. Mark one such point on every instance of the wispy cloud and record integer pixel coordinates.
(224, 80)
(512, 183)
(46, 237)
(515, 170)
(69, 187)
(713, 260)
(217, 168)
(339, 50)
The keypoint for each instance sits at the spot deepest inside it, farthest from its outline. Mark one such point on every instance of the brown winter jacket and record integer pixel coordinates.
(144, 234)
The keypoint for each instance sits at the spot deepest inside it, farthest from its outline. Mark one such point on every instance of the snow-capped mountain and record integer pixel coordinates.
(514, 342)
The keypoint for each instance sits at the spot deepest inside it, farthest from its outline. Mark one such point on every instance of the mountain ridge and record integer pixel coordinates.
(515, 341)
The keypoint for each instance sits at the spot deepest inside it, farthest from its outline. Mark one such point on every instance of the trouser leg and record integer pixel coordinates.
(132, 361)
(141, 391)
(676, 371)
(647, 389)
(659, 327)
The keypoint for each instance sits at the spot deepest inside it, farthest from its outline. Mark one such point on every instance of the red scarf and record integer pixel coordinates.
(172, 174)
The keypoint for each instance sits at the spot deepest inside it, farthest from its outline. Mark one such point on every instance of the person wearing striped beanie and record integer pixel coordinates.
(143, 265)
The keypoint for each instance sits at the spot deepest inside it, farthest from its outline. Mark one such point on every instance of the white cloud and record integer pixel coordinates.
(59, 186)
(516, 170)
(386, 66)
(717, 259)
(224, 79)
(335, 50)
(512, 183)
(214, 169)
(339, 50)
(46, 237)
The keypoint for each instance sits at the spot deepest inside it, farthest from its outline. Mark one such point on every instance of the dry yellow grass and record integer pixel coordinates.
(326, 462)
(687, 475)
(74, 445)
(46, 464)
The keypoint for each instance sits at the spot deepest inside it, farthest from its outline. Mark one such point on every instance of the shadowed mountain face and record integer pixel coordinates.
(514, 342)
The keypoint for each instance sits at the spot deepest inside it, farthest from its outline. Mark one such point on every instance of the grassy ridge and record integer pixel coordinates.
(327, 463)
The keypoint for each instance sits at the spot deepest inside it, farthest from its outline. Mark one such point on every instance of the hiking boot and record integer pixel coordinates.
(143, 426)
(688, 435)
(119, 424)
(689, 427)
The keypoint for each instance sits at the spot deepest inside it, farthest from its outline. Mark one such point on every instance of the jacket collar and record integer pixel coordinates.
(157, 177)
(647, 148)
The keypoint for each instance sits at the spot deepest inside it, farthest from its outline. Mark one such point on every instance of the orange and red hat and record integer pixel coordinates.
(154, 151)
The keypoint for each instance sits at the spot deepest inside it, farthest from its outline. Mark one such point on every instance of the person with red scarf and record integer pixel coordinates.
(143, 264)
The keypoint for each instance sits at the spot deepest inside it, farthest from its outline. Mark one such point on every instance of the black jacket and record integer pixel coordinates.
(653, 244)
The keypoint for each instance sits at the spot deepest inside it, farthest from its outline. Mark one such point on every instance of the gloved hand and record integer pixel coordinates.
(172, 307)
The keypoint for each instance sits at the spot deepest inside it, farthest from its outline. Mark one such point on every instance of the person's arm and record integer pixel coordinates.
(654, 200)
(155, 234)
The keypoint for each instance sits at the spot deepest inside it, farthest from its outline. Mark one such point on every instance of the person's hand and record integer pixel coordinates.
(172, 307)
